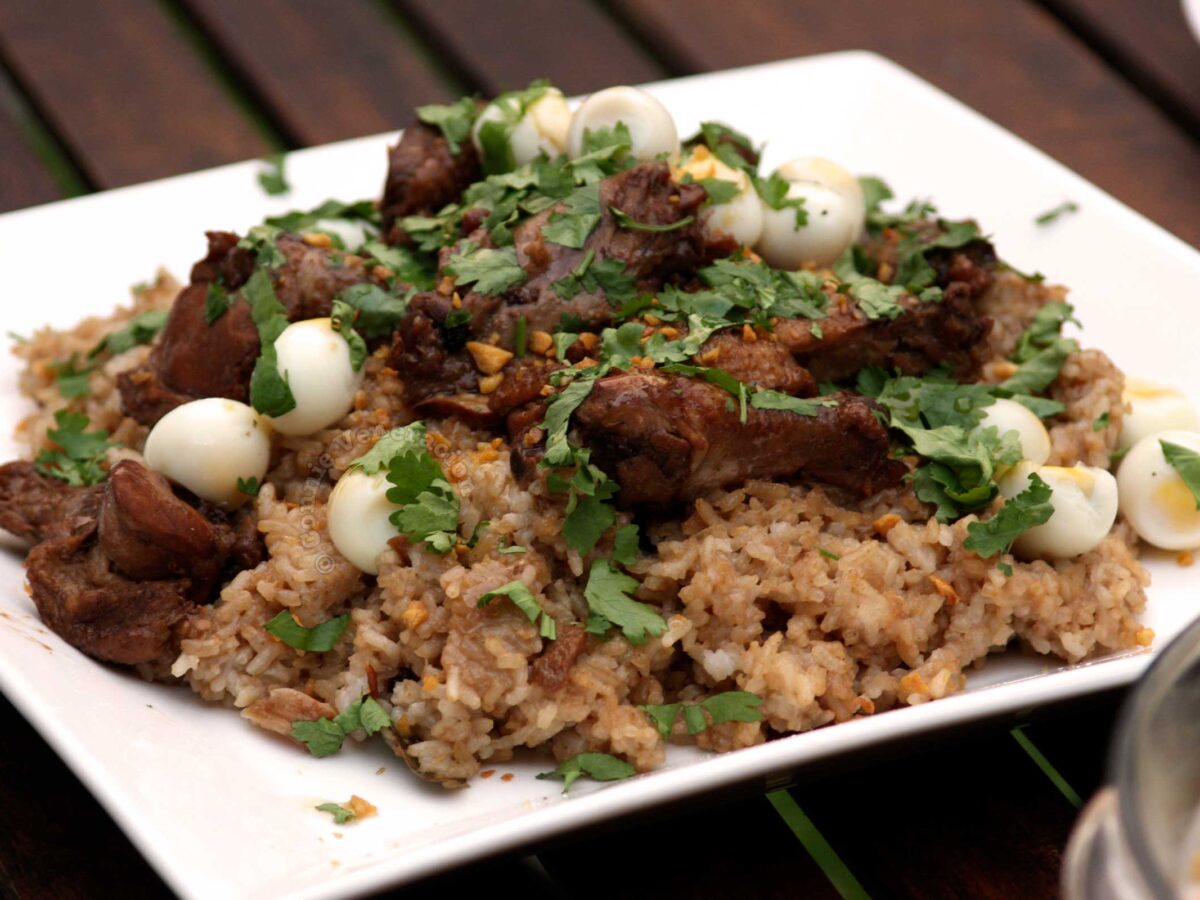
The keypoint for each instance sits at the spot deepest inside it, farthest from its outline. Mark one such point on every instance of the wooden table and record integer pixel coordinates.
(94, 96)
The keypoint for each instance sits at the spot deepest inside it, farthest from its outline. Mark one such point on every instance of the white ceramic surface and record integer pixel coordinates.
(223, 809)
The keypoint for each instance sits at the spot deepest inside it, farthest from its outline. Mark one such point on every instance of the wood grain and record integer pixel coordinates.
(326, 71)
(499, 46)
(123, 89)
(972, 818)
(1149, 42)
(1007, 58)
(24, 178)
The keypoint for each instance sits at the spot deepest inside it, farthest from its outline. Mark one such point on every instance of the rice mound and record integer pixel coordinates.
(827, 608)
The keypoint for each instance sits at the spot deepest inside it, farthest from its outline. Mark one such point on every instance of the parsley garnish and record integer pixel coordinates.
(495, 134)
(627, 221)
(324, 737)
(493, 271)
(72, 380)
(600, 766)
(342, 319)
(428, 503)
(625, 545)
(249, 486)
(341, 815)
(377, 312)
(1028, 509)
(571, 226)
(718, 189)
(1186, 462)
(607, 594)
(454, 120)
(1044, 330)
(523, 599)
(216, 303)
(269, 391)
(606, 275)
(828, 554)
(318, 639)
(728, 706)
(801, 406)
(272, 178)
(1051, 215)
(141, 329)
(408, 266)
(299, 220)
(81, 454)
(774, 192)
(588, 515)
(1039, 371)
(1100, 422)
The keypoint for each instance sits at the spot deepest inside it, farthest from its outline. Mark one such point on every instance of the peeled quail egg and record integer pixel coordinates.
(740, 217)
(315, 361)
(835, 209)
(1153, 408)
(1009, 415)
(1084, 499)
(524, 128)
(358, 518)
(1154, 498)
(207, 445)
(651, 128)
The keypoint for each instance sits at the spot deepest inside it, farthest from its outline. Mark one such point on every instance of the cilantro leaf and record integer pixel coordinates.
(342, 319)
(1028, 509)
(625, 545)
(719, 190)
(571, 226)
(216, 303)
(378, 311)
(1044, 330)
(1186, 462)
(299, 220)
(600, 766)
(774, 192)
(493, 271)
(558, 415)
(364, 714)
(877, 300)
(429, 505)
(341, 815)
(318, 639)
(627, 221)
(322, 737)
(586, 523)
(81, 454)
(1100, 422)
(271, 178)
(269, 391)
(607, 592)
(72, 380)
(407, 265)
(518, 592)
(727, 706)
(1051, 215)
(875, 192)
(141, 329)
(1039, 371)
(454, 120)
(249, 486)
(806, 406)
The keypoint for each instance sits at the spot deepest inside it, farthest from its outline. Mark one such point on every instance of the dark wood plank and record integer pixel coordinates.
(325, 70)
(58, 842)
(1009, 59)
(1078, 742)
(739, 850)
(24, 178)
(1149, 42)
(123, 88)
(574, 43)
(973, 818)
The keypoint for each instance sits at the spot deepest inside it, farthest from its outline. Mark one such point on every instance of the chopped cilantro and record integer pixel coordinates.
(719, 190)
(518, 592)
(520, 336)
(428, 503)
(271, 178)
(875, 192)
(774, 192)
(728, 144)
(341, 815)
(625, 545)
(216, 303)
(1051, 215)
(72, 379)
(493, 271)
(606, 275)
(801, 406)
(342, 320)
(1044, 330)
(728, 706)
(141, 329)
(407, 265)
(377, 311)
(456, 318)
(571, 226)
(1028, 509)
(877, 300)
(828, 554)
(318, 639)
(558, 415)
(324, 737)
(1005, 568)
(1039, 371)
(607, 592)
(299, 220)
(511, 549)
(501, 117)
(600, 766)
(269, 391)
(249, 486)
(1186, 462)
(627, 221)
(1100, 422)
(454, 120)
(81, 453)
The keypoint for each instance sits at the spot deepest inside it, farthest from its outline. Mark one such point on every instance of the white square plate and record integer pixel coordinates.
(222, 809)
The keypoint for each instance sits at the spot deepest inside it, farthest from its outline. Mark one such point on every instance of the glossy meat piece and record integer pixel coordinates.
(766, 363)
(32, 505)
(550, 669)
(951, 332)
(124, 564)
(423, 176)
(193, 358)
(668, 439)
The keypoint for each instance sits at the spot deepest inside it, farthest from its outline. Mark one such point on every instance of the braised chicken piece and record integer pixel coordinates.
(196, 358)
(117, 566)
(423, 176)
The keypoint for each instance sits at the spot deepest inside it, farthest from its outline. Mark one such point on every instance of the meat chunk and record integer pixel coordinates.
(766, 363)
(950, 332)
(551, 668)
(668, 439)
(195, 358)
(124, 564)
(283, 706)
(423, 176)
(32, 505)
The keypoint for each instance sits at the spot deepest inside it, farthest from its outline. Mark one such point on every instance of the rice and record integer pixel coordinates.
(827, 608)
